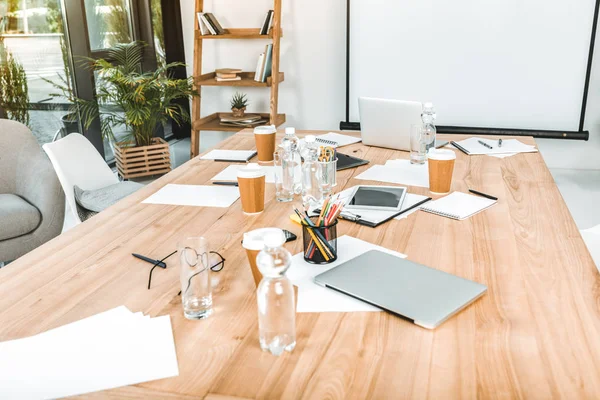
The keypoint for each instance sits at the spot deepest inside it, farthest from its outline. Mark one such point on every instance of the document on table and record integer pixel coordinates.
(316, 298)
(335, 139)
(229, 155)
(195, 195)
(509, 146)
(108, 350)
(230, 174)
(398, 171)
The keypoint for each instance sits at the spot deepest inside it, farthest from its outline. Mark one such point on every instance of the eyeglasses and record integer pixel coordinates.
(217, 262)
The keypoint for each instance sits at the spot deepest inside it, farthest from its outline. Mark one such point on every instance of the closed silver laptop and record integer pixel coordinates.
(423, 295)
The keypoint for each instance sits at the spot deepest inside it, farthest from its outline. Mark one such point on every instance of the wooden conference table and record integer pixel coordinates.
(535, 334)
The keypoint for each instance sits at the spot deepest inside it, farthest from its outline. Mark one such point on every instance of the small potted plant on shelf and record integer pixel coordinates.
(239, 102)
(139, 101)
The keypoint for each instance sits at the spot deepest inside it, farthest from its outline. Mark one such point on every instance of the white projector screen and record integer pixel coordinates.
(483, 63)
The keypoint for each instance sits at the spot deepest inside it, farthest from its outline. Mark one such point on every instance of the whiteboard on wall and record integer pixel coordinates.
(513, 64)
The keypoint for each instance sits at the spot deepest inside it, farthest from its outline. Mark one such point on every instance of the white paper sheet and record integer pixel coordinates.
(111, 349)
(230, 174)
(398, 171)
(195, 195)
(229, 155)
(513, 146)
(315, 298)
(341, 140)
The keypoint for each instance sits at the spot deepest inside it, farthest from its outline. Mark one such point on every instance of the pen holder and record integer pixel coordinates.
(328, 176)
(320, 243)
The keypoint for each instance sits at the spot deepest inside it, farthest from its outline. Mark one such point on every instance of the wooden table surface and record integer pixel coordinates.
(535, 334)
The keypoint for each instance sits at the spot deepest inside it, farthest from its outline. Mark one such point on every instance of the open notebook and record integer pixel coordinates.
(458, 205)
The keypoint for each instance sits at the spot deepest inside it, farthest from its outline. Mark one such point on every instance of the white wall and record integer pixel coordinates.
(313, 60)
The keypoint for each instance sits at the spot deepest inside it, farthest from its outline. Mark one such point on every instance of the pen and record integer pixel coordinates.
(487, 196)
(225, 183)
(149, 260)
(458, 146)
(481, 142)
(499, 142)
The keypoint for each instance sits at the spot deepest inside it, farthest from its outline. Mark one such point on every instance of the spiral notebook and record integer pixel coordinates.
(458, 205)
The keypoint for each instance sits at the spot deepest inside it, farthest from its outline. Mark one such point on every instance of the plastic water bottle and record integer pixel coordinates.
(428, 131)
(312, 194)
(275, 296)
(292, 140)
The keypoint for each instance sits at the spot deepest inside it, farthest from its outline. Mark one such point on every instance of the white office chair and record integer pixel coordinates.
(78, 163)
(591, 237)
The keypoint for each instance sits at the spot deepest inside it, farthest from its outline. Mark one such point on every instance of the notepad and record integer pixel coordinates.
(472, 146)
(335, 139)
(195, 195)
(401, 172)
(458, 205)
(229, 155)
(230, 174)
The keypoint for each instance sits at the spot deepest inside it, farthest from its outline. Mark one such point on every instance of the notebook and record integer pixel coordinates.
(458, 205)
(335, 139)
(473, 146)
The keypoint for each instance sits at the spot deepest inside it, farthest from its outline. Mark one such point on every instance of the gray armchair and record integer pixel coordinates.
(32, 203)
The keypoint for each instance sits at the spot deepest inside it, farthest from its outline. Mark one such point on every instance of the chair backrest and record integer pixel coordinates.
(16, 143)
(77, 162)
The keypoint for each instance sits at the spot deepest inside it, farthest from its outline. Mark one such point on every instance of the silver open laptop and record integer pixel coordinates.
(386, 123)
(423, 295)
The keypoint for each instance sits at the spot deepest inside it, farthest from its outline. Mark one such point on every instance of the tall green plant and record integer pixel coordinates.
(139, 100)
(14, 95)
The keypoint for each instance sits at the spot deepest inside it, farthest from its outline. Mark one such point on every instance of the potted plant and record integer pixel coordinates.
(140, 101)
(239, 102)
(14, 95)
(64, 85)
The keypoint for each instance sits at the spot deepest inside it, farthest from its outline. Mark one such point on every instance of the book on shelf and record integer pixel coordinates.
(215, 23)
(246, 124)
(266, 71)
(211, 29)
(228, 117)
(202, 26)
(259, 67)
(237, 78)
(266, 25)
(228, 71)
(226, 76)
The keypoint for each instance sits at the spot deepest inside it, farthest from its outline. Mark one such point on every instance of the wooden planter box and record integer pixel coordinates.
(134, 162)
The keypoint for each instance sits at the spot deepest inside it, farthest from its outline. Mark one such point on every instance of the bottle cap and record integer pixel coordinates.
(257, 239)
(290, 131)
(274, 238)
(251, 170)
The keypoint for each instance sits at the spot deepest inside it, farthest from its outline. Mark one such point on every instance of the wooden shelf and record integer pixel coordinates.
(247, 80)
(238, 33)
(212, 123)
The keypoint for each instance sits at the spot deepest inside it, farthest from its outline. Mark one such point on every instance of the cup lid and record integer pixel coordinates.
(265, 129)
(259, 238)
(251, 170)
(441, 154)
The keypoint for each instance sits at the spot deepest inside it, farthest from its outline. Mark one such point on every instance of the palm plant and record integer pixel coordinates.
(139, 100)
(14, 95)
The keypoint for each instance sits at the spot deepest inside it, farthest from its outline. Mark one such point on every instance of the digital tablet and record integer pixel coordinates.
(385, 198)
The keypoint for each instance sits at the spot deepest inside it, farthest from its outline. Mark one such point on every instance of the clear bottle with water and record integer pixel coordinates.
(312, 195)
(428, 131)
(292, 140)
(275, 297)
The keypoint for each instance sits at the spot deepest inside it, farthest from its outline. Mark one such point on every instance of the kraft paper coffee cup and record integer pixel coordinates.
(251, 182)
(254, 242)
(264, 136)
(441, 167)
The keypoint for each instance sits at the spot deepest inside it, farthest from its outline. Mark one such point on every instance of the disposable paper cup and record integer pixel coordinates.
(264, 136)
(254, 242)
(441, 167)
(251, 181)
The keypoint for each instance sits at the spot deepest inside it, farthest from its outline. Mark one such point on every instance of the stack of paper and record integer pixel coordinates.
(111, 349)
(229, 155)
(510, 147)
(194, 195)
(230, 174)
(315, 298)
(398, 171)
